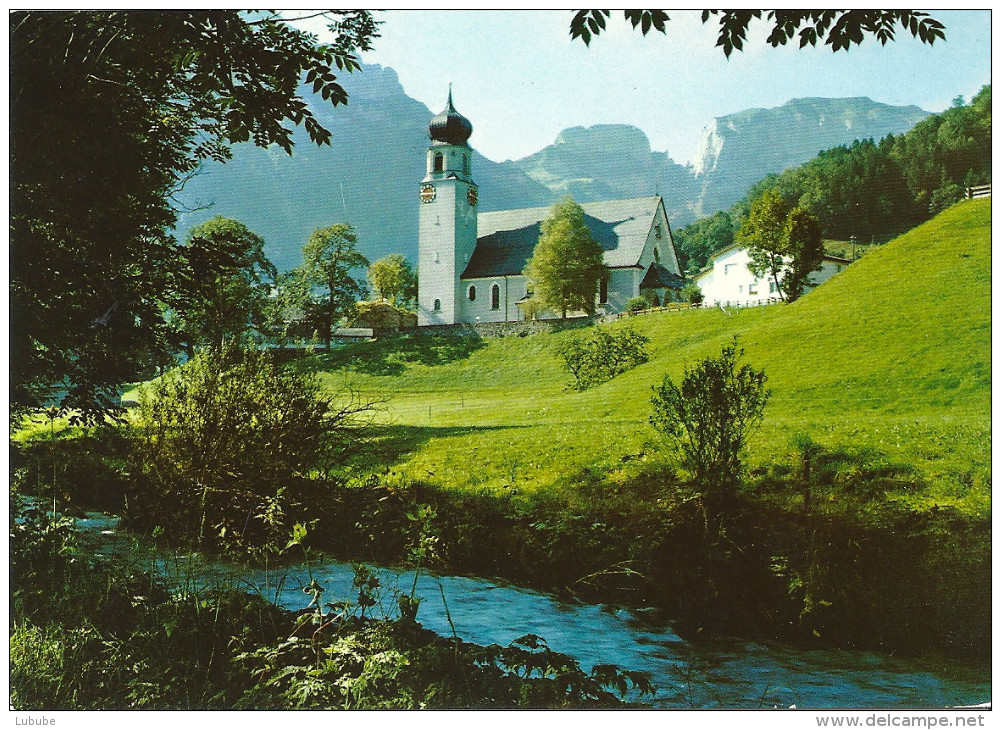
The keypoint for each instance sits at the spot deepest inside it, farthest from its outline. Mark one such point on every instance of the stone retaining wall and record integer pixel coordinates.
(511, 329)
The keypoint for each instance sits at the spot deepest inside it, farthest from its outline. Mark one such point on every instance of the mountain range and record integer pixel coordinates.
(368, 176)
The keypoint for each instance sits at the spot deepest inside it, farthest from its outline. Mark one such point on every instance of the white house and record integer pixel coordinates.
(728, 280)
(469, 263)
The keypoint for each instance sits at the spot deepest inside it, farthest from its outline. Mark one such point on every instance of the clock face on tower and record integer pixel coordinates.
(472, 196)
(427, 193)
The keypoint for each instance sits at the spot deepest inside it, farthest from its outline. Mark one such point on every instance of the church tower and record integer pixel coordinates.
(447, 234)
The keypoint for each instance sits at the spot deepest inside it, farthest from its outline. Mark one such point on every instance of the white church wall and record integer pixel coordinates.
(659, 246)
(509, 290)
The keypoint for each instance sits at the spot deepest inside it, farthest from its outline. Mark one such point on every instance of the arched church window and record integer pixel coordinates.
(437, 305)
(465, 164)
(495, 297)
(439, 162)
(472, 293)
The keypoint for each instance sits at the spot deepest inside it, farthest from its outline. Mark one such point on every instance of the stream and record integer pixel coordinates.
(710, 673)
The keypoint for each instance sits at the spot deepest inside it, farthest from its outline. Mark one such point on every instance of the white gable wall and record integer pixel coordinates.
(659, 246)
(732, 282)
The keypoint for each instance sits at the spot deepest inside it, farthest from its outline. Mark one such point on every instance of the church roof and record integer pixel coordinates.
(507, 238)
(450, 127)
(659, 277)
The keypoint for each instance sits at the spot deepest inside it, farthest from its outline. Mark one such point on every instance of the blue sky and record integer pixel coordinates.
(521, 80)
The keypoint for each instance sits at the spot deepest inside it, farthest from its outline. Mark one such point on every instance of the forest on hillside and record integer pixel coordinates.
(869, 191)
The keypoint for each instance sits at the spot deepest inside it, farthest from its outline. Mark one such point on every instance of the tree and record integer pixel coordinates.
(600, 355)
(710, 416)
(329, 257)
(804, 252)
(696, 242)
(840, 28)
(393, 279)
(111, 112)
(785, 246)
(230, 282)
(567, 262)
(286, 310)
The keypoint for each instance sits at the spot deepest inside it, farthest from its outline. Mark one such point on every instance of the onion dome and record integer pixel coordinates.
(450, 127)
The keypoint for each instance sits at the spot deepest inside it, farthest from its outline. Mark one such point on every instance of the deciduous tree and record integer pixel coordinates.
(329, 257)
(567, 263)
(785, 246)
(393, 279)
(839, 29)
(709, 417)
(230, 282)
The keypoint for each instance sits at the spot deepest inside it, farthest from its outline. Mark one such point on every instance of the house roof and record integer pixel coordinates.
(507, 238)
(737, 245)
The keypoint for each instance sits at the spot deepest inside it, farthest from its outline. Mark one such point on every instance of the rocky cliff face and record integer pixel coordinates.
(739, 149)
(610, 161)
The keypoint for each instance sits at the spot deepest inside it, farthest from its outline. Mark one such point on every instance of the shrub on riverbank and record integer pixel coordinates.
(227, 445)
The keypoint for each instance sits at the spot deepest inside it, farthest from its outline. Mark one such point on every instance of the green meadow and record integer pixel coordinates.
(888, 361)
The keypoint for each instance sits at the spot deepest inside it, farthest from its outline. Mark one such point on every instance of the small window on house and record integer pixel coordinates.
(771, 287)
(740, 289)
(727, 268)
(656, 254)
(603, 291)
(472, 293)
(465, 164)
(495, 297)
(437, 305)
(656, 232)
(439, 162)
(752, 288)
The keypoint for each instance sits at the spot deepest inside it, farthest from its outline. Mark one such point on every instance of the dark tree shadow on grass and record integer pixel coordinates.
(392, 355)
(389, 445)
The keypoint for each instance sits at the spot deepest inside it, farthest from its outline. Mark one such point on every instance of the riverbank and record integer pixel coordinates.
(704, 672)
(885, 578)
(881, 576)
(92, 633)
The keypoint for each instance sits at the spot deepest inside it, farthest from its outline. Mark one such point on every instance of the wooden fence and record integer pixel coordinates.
(680, 306)
(979, 191)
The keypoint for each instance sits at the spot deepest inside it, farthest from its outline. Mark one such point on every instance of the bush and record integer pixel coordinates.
(637, 304)
(710, 416)
(226, 443)
(596, 358)
(947, 195)
(692, 294)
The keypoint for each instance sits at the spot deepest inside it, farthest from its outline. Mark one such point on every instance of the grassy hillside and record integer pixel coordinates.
(891, 358)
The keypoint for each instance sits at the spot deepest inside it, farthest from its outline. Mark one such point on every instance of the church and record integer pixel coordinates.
(470, 263)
